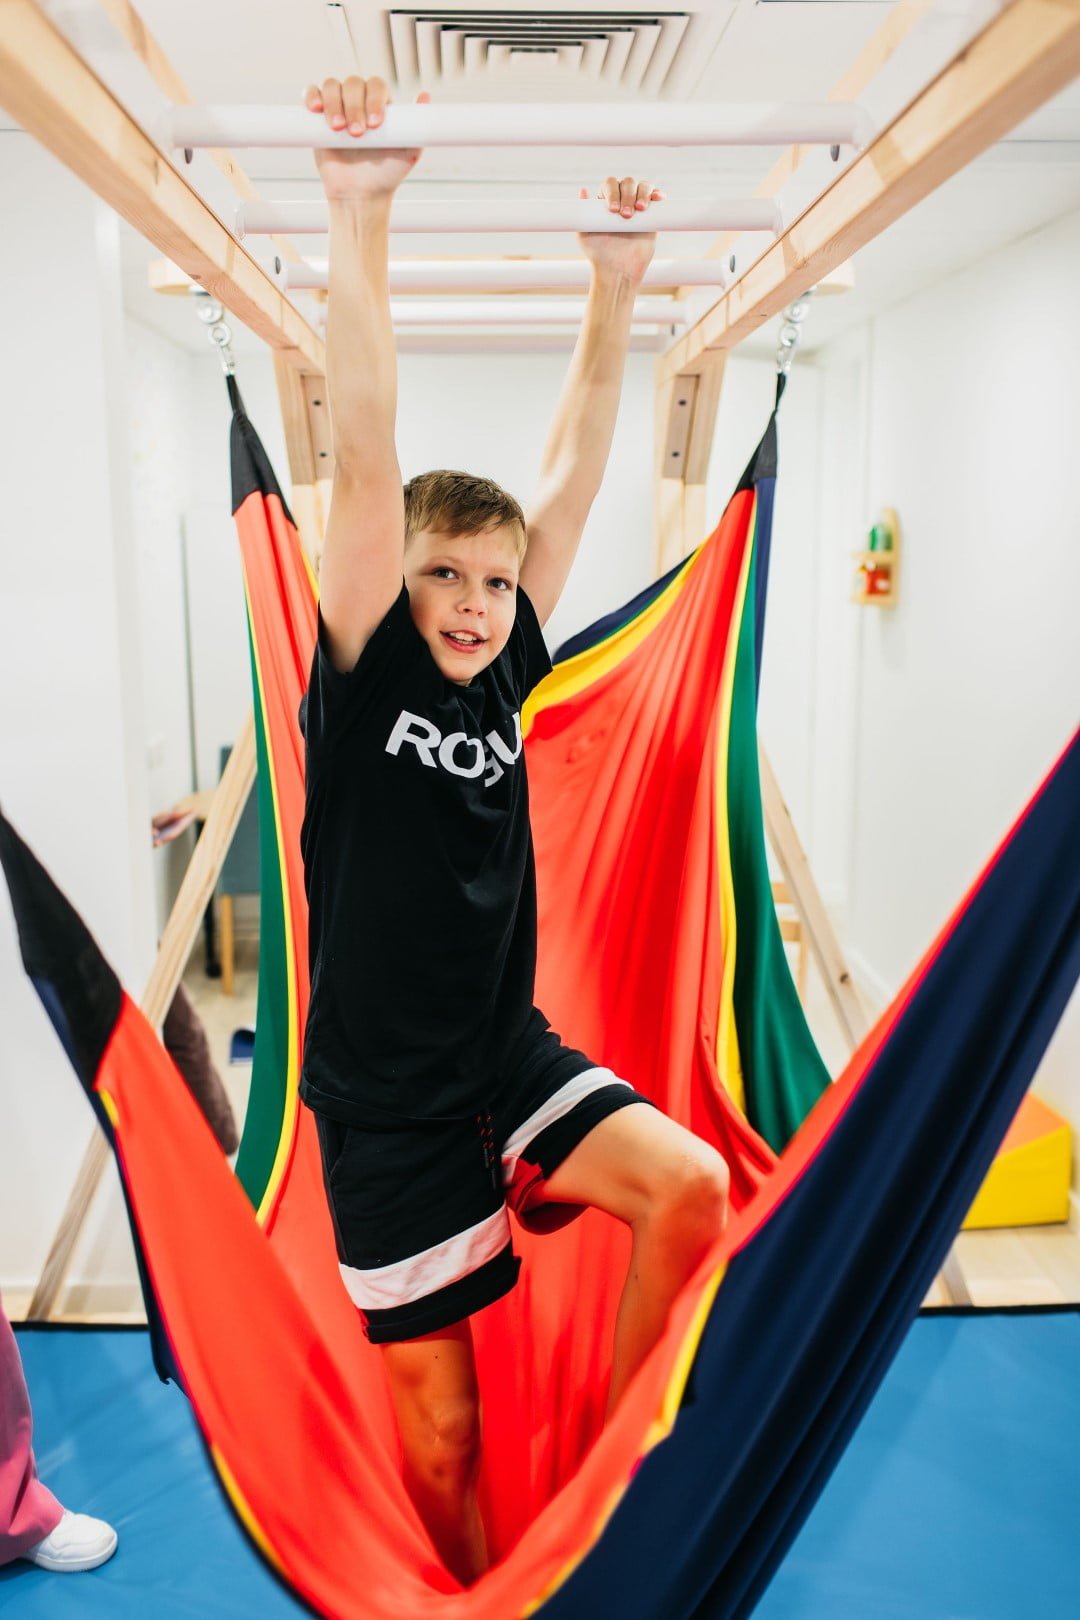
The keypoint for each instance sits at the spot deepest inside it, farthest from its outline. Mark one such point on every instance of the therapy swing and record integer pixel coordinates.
(660, 954)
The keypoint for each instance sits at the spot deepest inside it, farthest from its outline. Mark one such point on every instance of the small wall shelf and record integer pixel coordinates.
(877, 569)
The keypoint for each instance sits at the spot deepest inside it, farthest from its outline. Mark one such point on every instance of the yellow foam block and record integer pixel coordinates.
(1028, 1182)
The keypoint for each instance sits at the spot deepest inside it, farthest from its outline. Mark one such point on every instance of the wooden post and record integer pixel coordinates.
(305, 415)
(227, 915)
(177, 941)
(806, 898)
(686, 407)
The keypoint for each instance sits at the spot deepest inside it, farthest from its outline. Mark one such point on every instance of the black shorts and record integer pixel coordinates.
(421, 1208)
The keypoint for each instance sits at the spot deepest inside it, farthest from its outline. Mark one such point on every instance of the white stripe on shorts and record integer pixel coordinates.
(403, 1282)
(557, 1106)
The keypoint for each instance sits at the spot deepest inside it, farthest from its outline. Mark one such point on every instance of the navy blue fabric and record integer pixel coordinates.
(81, 993)
(83, 999)
(766, 496)
(812, 1312)
(601, 629)
(760, 471)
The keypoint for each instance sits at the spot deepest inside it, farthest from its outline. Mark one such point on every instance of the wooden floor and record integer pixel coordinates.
(1023, 1266)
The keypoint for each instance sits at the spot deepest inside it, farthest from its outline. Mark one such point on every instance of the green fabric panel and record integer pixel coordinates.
(782, 1069)
(270, 1069)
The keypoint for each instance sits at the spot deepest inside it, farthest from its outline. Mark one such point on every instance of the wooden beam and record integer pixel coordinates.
(673, 426)
(131, 27)
(306, 419)
(1022, 58)
(47, 87)
(685, 422)
(892, 33)
(703, 423)
(671, 431)
(180, 933)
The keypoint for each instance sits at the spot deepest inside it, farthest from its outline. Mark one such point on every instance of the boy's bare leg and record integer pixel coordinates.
(672, 1191)
(437, 1400)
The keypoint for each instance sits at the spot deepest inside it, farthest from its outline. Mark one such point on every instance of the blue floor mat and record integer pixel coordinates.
(956, 1500)
(113, 1441)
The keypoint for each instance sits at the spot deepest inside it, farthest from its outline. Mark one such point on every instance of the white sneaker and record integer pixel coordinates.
(78, 1542)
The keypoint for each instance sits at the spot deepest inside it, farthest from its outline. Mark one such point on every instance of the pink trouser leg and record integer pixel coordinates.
(27, 1510)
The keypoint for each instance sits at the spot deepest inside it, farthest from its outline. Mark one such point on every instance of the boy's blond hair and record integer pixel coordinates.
(446, 502)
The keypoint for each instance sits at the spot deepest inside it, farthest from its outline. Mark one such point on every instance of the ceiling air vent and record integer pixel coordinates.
(635, 50)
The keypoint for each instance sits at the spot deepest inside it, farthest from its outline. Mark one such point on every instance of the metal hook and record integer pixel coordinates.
(212, 314)
(790, 331)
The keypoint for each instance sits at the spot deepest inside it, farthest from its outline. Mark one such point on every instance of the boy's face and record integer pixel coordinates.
(463, 596)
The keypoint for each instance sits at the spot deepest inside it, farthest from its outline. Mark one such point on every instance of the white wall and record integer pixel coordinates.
(961, 409)
(158, 373)
(489, 415)
(72, 735)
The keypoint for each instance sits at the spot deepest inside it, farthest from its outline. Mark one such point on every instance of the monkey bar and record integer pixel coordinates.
(459, 215)
(532, 312)
(506, 275)
(752, 123)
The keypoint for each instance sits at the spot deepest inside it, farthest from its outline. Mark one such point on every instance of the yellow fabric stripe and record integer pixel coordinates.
(291, 1101)
(108, 1102)
(728, 1057)
(659, 1429)
(581, 671)
(680, 1372)
(308, 568)
(243, 1511)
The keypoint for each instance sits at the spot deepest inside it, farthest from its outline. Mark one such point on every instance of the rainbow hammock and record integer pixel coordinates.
(659, 954)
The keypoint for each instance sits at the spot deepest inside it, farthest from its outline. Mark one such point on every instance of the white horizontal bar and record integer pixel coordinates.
(521, 215)
(506, 275)
(751, 123)
(525, 312)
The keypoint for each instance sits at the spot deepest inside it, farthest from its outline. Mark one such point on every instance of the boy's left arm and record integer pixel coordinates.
(580, 436)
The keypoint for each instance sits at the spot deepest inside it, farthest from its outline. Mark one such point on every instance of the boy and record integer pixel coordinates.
(441, 1095)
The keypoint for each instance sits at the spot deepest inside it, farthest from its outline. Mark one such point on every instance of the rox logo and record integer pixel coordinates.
(458, 753)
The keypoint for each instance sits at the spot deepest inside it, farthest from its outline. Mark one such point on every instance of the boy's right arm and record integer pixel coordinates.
(363, 555)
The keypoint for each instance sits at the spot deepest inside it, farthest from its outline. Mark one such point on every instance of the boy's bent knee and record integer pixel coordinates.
(691, 1196)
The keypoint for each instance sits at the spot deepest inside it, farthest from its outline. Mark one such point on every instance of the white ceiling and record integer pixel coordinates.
(266, 50)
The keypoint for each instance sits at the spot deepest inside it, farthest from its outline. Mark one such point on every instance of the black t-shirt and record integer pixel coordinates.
(418, 864)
